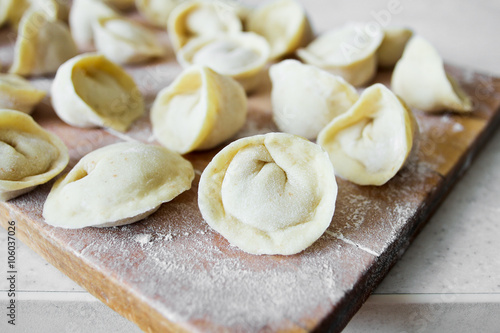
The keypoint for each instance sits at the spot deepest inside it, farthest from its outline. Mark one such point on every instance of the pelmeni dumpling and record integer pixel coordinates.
(199, 110)
(90, 91)
(18, 93)
(124, 41)
(421, 80)
(115, 185)
(370, 143)
(198, 18)
(42, 45)
(349, 51)
(11, 11)
(283, 23)
(305, 98)
(392, 46)
(156, 11)
(269, 194)
(82, 16)
(242, 56)
(30, 155)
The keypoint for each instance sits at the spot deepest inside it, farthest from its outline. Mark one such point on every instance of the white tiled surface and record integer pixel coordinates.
(447, 281)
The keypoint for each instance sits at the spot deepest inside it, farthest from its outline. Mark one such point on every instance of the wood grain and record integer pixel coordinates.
(171, 272)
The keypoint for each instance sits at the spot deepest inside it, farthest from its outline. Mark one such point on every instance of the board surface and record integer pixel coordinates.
(171, 271)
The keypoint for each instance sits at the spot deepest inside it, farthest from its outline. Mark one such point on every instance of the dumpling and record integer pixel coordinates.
(11, 11)
(269, 194)
(115, 185)
(283, 23)
(393, 45)
(82, 16)
(91, 91)
(370, 143)
(124, 41)
(349, 51)
(421, 80)
(198, 18)
(42, 50)
(18, 93)
(199, 110)
(242, 56)
(305, 98)
(156, 11)
(30, 155)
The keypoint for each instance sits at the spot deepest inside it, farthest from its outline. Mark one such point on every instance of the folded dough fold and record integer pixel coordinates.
(421, 80)
(199, 110)
(18, 93)
(115, 185)
(370, 142)
(269, 194)
(91, 91)
(30, 155)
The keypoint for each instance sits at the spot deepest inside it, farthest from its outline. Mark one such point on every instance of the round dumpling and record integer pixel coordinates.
(349, 51)
(30, 155)
(370, 142)
(198, 18)
(115, 185)
(283, 23)
(91, 91)
(269, 194)
(199, 110)
(242, 56)
(305, 98)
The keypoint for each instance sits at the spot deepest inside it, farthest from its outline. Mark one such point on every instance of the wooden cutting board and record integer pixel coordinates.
(172, 272)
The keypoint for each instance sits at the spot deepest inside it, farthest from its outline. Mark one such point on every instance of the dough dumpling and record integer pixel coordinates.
(269, 194)
(305, 98)
(242, 56)
(284, 24)
(115, 185)
(30, 155)
(198, 18)
(349, 51)
(199, 110)
(18, 93)
(91, 91)
(420, 79)
(42, 45)
(83, 14)
(124, 41)
(393, 45)
(156, 11)
(120, 4)
(370, 143)
(11, 11)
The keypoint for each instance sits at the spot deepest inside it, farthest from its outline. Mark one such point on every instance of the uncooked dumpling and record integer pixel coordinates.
(18, 93)
(305, 98)
(283, 23)
(242, 56)
(82, 16)
(197, 18)
(43, 49)
(392, 46)
(269, 194)
(199, 110)
(124, 41)
(115, 185)
(30, 155)
(370, 143)
(421, 80)
(156, 11)
(91, 91)
(349, 51)
(11, 11)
